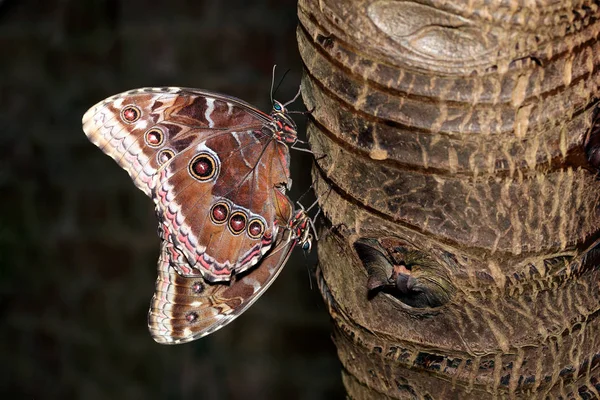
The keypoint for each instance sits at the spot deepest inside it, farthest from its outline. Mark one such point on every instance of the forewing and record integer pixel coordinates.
(144, 128)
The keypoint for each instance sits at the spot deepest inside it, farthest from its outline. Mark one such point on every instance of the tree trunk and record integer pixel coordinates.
(460, 143)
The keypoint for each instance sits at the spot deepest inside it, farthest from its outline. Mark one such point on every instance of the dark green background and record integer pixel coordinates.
(78, 244)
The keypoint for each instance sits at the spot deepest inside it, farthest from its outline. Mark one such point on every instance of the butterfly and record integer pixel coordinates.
(217, 169)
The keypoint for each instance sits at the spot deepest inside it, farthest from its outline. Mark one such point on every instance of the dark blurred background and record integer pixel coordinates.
(78, 244)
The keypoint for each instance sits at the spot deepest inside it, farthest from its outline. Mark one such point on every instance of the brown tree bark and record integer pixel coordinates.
(460, 144)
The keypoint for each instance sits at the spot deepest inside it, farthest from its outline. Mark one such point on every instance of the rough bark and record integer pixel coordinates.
(459, 177)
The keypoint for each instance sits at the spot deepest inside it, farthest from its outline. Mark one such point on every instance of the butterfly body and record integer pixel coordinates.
(217, 169)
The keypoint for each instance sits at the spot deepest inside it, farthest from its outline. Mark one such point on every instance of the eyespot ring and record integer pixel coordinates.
(219, 213)
(237, 222)
(256, 228)
(191, 317)
(164, 155)
(154, 137)
(198, 287)
(203, 167)
(130, 114)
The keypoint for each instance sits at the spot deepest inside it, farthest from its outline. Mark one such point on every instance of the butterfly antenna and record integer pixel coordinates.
(310, 283)
(273, 82)
(279, 84)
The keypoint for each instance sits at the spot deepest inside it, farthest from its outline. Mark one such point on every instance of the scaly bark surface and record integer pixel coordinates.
(461, 147)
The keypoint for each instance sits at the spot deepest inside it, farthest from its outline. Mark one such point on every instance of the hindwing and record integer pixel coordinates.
(187, 308)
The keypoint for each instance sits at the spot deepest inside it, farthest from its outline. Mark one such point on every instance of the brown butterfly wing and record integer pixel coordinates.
(144, 128)
(187, 308)
(219, 199)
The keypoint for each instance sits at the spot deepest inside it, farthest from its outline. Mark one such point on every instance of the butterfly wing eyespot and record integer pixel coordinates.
(237, 222)
(256, 228)
(164, 155)
(198, 287)
(204, 166)
(191, 317)
(219, 213)
(154, 137)
(130, 114)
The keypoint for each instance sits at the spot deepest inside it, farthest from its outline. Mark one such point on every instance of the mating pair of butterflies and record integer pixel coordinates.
(218, 170)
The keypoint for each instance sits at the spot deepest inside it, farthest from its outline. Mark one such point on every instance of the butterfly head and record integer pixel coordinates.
(285, 129)
(307, 245)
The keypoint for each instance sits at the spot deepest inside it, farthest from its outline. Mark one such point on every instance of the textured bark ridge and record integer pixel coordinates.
(460, 142)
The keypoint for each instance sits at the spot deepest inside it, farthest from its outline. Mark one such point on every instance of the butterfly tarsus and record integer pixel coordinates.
(272, 82)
